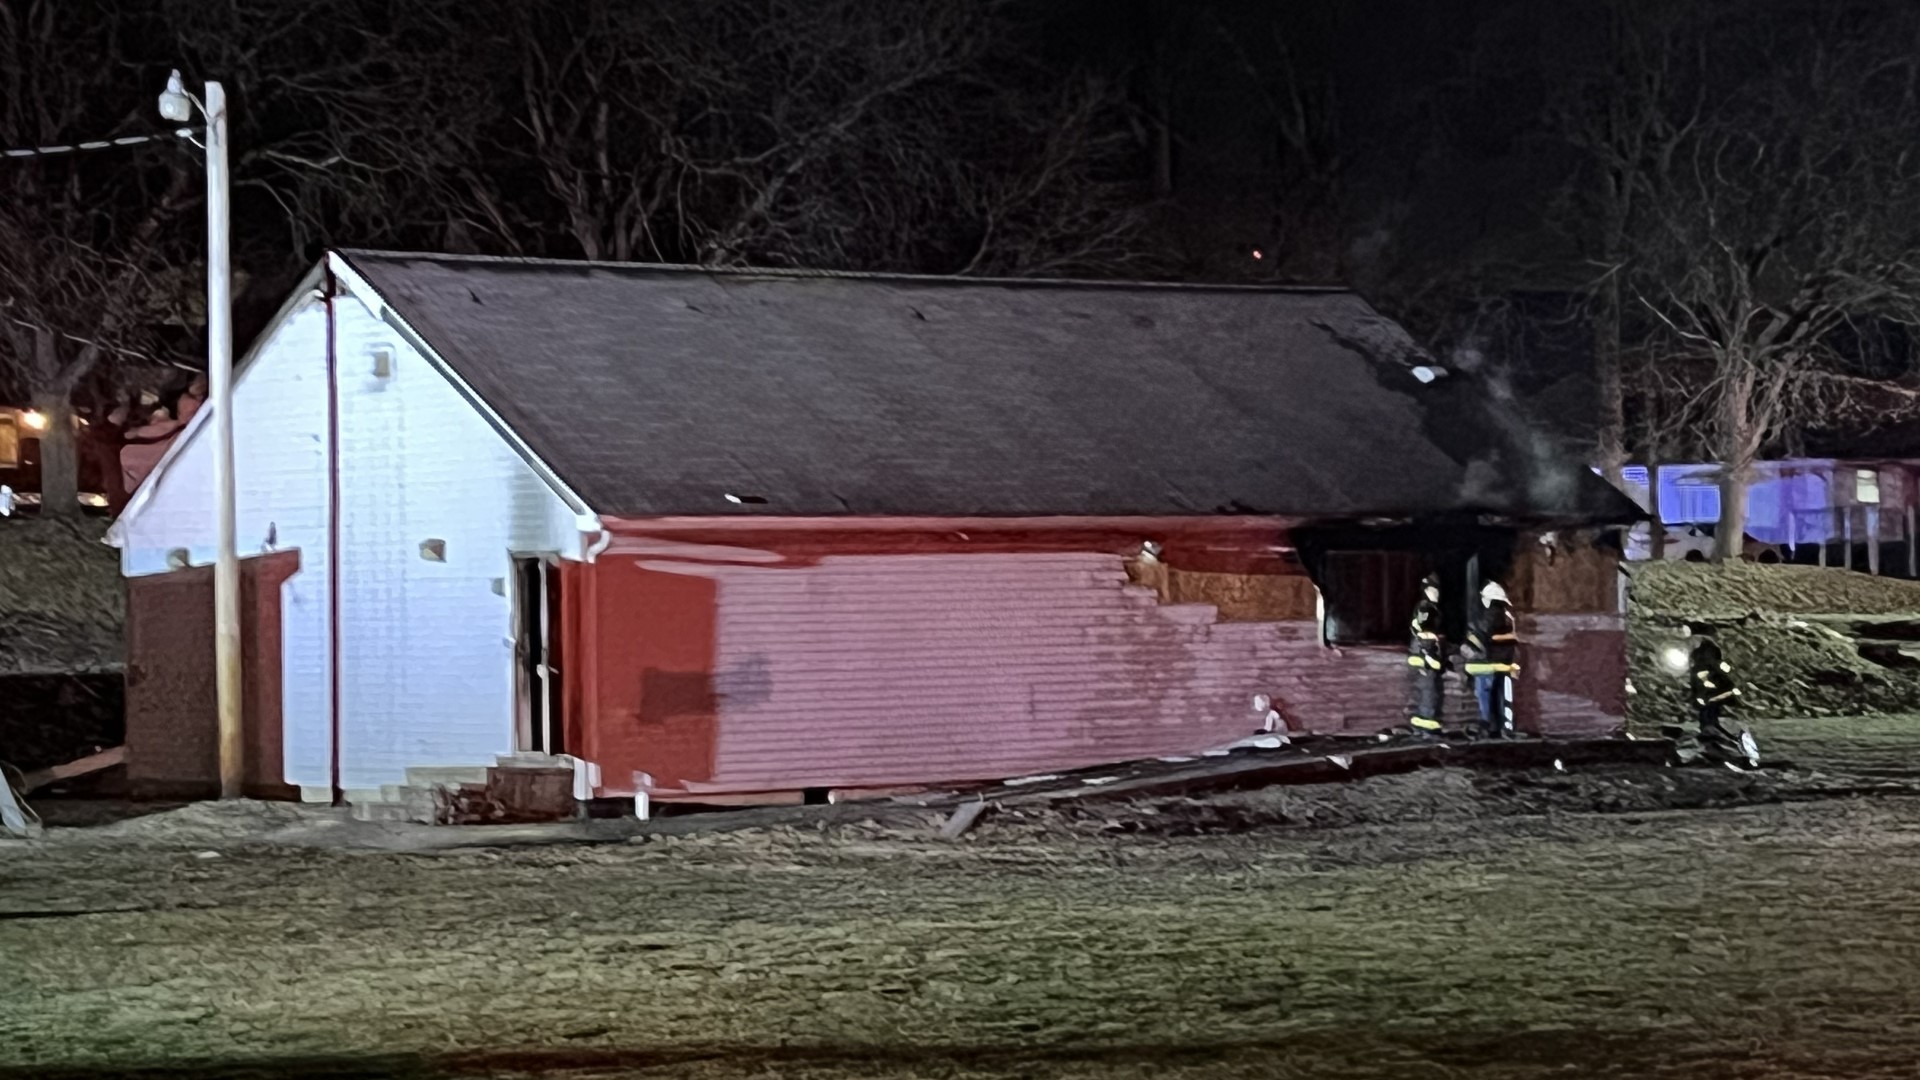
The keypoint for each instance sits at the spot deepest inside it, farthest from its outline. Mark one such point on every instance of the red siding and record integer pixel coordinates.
(1574, 674)
(739, 670)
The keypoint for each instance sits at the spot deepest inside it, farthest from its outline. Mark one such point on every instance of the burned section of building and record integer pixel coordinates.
(732, 535)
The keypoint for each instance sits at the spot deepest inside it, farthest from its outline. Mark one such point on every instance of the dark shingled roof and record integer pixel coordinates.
(659, 390)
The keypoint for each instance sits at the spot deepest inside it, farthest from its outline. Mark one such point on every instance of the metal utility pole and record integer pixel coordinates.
(176, 105)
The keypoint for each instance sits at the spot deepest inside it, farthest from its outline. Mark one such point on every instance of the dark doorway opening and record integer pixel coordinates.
(537, 654)
(1369, 575)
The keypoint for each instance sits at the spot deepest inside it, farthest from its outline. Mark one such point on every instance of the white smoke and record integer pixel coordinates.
(1551, 480)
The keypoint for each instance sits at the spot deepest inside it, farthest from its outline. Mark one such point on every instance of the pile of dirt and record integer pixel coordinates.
(203, 824)
(1737, 589)
(61, 593)
(1790, 632)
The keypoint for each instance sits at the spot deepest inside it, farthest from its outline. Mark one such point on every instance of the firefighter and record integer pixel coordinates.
(1714, 687)
(1426, 659)
(1494, 648)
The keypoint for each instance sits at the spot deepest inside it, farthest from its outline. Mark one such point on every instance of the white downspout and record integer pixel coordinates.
(586, 774)
(592, 550)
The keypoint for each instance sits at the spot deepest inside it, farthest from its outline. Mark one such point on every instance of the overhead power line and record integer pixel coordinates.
(98, 144)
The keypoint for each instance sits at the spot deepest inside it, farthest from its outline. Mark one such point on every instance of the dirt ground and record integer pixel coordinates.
(1804, 641)
(1510, 925)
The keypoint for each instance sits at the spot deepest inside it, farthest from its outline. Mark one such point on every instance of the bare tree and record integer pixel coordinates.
(1634, 94)
(82, 233)
(1787, 212)
(1296, 98)
(871, 134)
(338, 135)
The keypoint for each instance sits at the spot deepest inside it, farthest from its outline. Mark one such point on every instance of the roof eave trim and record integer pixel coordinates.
(307, 290)
(364, 289)
(722, 273)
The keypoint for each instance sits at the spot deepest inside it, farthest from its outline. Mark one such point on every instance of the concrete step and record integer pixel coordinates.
(383, 811)
(403, 802)
(446, 775)
(527, 760)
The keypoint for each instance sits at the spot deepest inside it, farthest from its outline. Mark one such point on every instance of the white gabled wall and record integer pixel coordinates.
(426, 647)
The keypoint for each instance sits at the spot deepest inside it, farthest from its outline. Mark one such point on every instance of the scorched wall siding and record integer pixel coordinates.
(864, 670)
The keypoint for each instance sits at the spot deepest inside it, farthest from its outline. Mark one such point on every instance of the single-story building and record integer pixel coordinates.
(1855, 513)
(734, 532)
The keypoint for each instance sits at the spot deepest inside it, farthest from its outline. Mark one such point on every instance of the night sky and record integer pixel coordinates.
(1420, 152)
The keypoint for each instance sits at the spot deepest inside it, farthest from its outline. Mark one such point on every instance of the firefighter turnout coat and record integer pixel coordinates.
(1426, 656)
(1713, 682)
(1496, 641)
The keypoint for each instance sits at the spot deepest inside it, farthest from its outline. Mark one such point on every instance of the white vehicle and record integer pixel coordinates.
(1693, 543)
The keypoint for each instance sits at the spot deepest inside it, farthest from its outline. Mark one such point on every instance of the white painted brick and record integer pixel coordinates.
(426, 669)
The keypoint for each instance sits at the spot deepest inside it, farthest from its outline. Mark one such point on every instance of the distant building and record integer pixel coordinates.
(737, 533)
(20, 434)
(1852, 513)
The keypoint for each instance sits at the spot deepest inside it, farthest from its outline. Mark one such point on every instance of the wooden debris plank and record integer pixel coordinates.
(962, 819)
(1265, 770)
(92, 763)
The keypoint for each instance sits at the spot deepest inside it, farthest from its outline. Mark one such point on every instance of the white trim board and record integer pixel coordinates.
(387, 313)
(309, 291)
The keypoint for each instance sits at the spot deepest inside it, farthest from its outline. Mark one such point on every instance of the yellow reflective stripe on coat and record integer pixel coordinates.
(1492, 669)
(1423, 661)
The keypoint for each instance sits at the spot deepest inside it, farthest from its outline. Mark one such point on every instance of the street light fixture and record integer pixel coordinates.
(177, 105)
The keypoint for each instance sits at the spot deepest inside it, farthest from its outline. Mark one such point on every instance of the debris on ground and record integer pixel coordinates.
(1763, 943)
(199, 824)
(1456, 795)
(71, 770)
(16, 817)
(962, 819)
